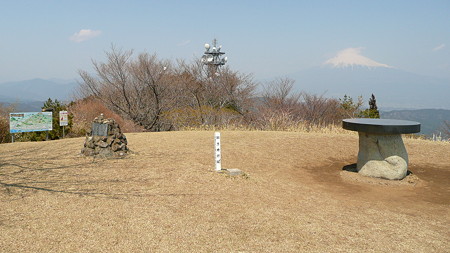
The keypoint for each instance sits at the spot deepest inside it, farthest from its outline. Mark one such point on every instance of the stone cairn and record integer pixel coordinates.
(105, 139)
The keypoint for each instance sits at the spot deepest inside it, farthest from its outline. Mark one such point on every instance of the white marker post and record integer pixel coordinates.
(217, 151)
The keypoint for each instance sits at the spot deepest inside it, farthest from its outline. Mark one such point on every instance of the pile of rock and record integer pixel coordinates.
(105, 139)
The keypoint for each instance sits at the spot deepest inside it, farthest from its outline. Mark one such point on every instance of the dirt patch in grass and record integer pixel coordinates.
(166, 197)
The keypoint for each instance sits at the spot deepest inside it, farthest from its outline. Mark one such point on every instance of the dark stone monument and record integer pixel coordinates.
(99, 129)
(105, 139)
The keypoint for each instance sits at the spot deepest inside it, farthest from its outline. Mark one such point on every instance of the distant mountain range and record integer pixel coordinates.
(431, 120)
(34, 90)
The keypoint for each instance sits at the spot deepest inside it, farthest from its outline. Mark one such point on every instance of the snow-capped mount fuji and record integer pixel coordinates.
(351, 57)
(350, 73)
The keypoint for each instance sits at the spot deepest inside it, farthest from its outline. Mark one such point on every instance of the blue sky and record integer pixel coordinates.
(54, 39)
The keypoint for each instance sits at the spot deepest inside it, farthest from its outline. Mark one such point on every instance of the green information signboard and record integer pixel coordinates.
(20, 122)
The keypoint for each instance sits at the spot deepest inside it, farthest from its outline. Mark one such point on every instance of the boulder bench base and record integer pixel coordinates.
(382, 156)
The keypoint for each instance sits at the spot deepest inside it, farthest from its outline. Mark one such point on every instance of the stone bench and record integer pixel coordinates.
(382, 152)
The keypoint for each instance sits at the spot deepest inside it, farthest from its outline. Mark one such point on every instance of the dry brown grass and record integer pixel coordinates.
(276, 124)
(165, 197)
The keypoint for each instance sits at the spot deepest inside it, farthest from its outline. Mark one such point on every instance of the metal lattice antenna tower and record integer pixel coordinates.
(213, 58)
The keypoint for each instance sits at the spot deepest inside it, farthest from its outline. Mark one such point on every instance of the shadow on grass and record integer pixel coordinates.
(99, 194)
(21, 179)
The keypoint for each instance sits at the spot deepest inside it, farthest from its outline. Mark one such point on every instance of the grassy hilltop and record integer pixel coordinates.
(165, 197)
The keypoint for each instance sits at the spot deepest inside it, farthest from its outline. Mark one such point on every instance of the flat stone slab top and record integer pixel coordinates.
(381, 126)
(382, 153)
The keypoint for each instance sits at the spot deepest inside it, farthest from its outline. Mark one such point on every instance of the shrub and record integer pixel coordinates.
(84, 112)
(5, 136)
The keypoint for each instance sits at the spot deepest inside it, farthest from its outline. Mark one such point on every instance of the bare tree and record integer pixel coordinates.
(279, 96)
(136, 89)
(193, 79)
(282, 108)
(214, 99)
(154, 93)
(234, 90)
(319, 110)
(279, 105)
(159, 96)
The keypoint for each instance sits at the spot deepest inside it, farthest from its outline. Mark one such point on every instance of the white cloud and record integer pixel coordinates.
(352, 57)
(84, 34)
(441, 46)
